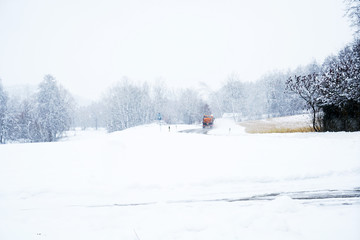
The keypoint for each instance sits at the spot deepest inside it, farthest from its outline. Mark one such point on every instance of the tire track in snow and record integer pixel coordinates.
(300, 195)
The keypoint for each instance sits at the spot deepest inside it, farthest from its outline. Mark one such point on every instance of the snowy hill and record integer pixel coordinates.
(150, 182)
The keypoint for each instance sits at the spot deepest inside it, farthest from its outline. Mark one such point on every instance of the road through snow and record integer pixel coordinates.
(151, 183)
(222, 126)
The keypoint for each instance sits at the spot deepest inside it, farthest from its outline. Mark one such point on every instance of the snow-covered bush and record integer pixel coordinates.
(340, 90)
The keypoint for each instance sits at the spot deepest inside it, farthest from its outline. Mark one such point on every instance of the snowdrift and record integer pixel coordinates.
(151, 183)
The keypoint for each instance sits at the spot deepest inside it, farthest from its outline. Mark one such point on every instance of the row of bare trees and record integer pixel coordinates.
(127, 104)
(266, 97)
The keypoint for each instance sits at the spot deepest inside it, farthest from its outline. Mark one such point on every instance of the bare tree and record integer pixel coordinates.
(353, 12)
(307, 87)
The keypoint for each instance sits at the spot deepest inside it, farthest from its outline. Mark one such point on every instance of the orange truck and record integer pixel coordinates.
(208, 121)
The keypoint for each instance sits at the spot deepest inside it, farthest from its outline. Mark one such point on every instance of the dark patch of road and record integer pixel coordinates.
(196, 130)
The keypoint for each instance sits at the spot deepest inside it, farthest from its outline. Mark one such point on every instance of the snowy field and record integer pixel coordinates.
(150, 183)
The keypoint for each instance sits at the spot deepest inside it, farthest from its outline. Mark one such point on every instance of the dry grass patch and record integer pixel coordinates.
(279, 125)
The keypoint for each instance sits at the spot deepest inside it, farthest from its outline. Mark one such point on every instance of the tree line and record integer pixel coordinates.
(127, 104)
(331, 91)
(264, 98)
(46, 115)
(43, 117)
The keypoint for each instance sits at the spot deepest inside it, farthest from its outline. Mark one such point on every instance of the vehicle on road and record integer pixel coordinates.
(208, 121)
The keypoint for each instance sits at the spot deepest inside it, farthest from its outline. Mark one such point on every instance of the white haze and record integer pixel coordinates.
(88, 45)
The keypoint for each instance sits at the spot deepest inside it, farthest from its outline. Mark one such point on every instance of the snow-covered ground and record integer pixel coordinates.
(153, 183)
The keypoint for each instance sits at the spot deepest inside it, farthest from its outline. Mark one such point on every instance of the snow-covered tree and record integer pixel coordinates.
(253, 100)
(27, 121)
(230, 98)
(11, 124)
(341, 77)
(353, 12)
(146, 105)
(90, 116)
(160, 101)
(190, 106)
(127, 106)
(279, 102)
(3, 113)
(340, 90)
(215, 103)
(54, 109)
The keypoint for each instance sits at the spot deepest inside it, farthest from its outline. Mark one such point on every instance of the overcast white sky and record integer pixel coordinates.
(89, 44)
